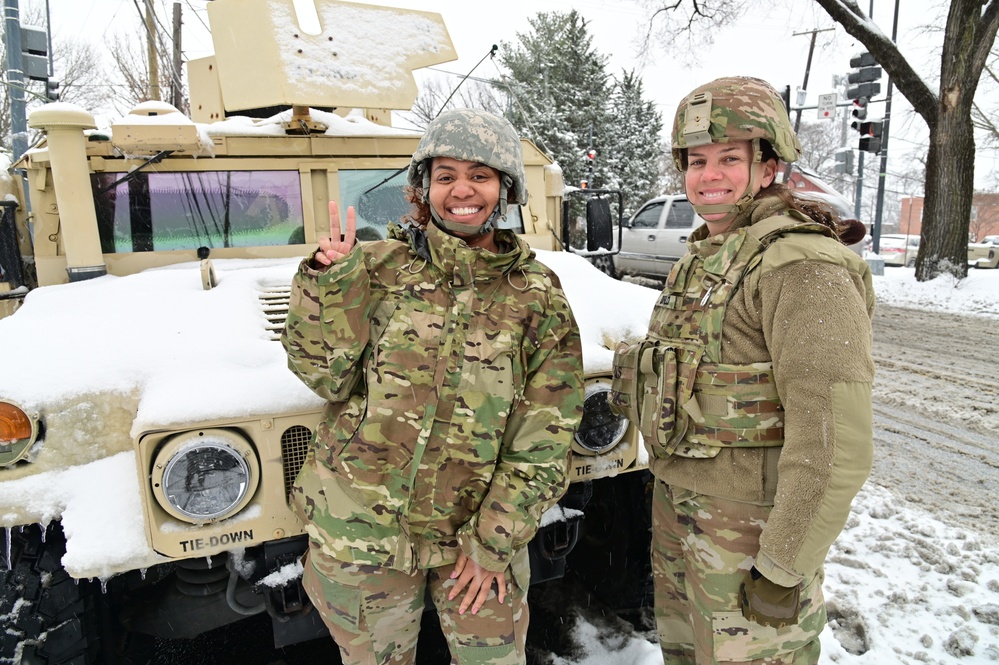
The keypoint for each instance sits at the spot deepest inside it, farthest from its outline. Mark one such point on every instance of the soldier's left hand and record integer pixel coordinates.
(766, 603)
(479, 582)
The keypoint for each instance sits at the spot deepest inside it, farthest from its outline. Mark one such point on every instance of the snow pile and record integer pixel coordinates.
(903, 587)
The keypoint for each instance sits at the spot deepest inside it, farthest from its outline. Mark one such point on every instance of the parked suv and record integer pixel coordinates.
(656, 236)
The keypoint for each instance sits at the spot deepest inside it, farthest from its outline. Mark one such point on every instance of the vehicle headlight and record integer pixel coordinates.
(18, 431)
(205, 475)
(600, 429)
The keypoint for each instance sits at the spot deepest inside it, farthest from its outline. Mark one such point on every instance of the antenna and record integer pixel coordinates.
(490, 54)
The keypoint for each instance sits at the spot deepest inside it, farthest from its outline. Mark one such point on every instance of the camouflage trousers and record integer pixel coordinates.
(374, 613)
(702, 549)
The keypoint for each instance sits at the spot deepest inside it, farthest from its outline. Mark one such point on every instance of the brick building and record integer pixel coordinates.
(984, 216)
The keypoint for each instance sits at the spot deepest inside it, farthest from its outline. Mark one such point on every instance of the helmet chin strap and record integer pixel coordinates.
(451, 228)
(732, 210)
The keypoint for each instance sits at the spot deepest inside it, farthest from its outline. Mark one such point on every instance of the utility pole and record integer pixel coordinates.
(858, 197)
(808, 67)
(804, 87)
(176, 89)
(15, 78)
(151, 54)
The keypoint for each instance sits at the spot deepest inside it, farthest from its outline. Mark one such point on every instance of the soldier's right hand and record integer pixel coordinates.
(339, 244)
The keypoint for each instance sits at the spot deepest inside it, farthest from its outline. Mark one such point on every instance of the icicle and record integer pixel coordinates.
(142, 573)
(45, 530)
(10, 564)
(104, 586)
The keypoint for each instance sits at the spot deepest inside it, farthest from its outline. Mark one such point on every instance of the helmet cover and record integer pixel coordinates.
(734, 108)
(471, 135)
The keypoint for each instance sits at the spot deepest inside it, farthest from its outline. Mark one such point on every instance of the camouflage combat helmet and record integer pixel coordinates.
(472, 135)
(734, 108)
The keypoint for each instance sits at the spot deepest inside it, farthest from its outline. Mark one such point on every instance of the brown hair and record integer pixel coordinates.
(848, 231)
(419, 214)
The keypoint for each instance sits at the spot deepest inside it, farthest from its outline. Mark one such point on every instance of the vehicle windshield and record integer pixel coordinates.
(150, 211)
(156, 211)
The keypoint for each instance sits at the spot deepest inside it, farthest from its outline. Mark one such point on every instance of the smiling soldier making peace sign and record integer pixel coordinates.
(452, 369)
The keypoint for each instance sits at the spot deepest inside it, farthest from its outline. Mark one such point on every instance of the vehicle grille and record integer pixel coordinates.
(294, 446)
(274, 302)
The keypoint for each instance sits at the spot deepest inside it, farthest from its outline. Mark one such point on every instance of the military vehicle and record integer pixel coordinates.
(149, 426)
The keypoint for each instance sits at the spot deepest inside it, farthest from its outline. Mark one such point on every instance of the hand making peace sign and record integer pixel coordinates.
(338, 245)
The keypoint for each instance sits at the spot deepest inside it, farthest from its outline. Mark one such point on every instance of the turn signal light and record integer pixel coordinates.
(14, 424)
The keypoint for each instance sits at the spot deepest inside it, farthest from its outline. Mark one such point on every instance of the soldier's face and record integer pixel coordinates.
(464, 192)
(718, 174)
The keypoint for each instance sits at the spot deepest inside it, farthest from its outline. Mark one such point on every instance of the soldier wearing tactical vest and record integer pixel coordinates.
(452, 366)
(752, 391)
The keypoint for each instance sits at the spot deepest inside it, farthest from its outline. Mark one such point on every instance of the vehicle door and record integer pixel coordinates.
(671, 238)
(638, 239)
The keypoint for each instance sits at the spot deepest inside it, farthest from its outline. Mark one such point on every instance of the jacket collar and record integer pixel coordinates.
(457, 262)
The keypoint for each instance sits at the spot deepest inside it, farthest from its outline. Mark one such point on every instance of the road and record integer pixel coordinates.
(936, 414)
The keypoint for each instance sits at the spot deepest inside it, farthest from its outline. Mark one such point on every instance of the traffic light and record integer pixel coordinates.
(859, 112)
(865, 77)
(870, 136)
(591, 154)
(52, 90)
(844, 161)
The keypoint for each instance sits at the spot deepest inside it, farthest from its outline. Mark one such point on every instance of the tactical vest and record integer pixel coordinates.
(672, 383)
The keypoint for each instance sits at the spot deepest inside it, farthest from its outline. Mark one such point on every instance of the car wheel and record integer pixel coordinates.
(51, 617)
(911, 263)
(612, 560)
(604, 264)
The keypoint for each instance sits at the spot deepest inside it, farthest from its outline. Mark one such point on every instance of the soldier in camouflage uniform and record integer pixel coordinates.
(452, 366)
(752, 391)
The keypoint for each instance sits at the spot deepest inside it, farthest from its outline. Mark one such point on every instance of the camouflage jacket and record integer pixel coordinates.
(764, 335)
(454, 381)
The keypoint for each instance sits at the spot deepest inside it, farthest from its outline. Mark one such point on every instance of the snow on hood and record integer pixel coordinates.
(109, 358)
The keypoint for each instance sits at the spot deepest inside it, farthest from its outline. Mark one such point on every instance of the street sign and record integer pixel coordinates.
(827, 106)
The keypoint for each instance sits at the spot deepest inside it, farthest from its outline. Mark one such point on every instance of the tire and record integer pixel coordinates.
(51, 618)
(604, 264)
(612, 559)
(911, 263)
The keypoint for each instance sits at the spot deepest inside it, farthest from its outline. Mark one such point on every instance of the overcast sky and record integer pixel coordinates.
(771, 45)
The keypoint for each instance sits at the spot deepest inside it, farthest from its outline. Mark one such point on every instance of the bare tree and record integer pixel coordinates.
(439, 93)
(77, 68)
(820, 141)
(670, 179)
(969, 39)
(130, 72)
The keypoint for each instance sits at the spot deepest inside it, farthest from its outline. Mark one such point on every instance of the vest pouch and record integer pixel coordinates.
(686, 357)
(658, 406)
(624, 393)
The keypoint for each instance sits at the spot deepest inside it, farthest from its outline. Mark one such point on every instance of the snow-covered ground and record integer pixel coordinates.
(902, 584)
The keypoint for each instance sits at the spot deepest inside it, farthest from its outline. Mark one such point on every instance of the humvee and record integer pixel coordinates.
(149, 427)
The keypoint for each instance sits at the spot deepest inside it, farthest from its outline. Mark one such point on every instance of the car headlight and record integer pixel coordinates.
(205, 475)
(18, 431)
(601, 429)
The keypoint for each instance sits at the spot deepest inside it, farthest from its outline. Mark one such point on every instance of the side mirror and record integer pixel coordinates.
(599, 224)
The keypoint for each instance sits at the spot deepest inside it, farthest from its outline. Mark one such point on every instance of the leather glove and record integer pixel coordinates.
(766, 603)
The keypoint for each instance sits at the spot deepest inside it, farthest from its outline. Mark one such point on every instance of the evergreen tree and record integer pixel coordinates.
(632, 158)
(561, 92)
